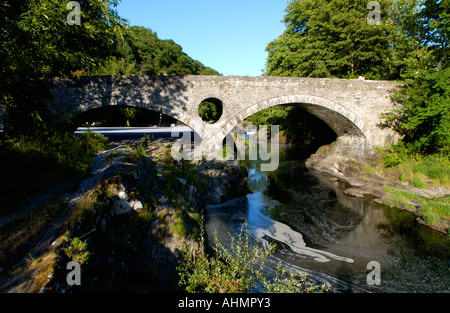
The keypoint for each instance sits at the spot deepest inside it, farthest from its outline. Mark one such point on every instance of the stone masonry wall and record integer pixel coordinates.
(350, 107)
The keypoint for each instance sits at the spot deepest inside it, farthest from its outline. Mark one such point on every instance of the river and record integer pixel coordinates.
(331, 236)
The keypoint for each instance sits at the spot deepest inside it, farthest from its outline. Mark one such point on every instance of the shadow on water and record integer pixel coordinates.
(331, 236)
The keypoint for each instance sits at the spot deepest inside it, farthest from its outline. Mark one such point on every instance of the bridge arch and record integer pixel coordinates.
(340, 119)
(117, 116)
(124, 101)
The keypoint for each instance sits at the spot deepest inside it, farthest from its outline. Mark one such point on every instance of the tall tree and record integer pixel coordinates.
(423, 115)
(332, 39)
(37, 44)
(422, 37)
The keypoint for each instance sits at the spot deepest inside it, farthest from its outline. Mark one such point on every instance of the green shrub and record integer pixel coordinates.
(238, 269)
(395, 155)
(77, 251)
(418, 181)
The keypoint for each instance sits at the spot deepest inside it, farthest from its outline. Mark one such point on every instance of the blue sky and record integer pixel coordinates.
(229, 36)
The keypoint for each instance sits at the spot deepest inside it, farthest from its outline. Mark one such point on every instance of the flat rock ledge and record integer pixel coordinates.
(339, 162)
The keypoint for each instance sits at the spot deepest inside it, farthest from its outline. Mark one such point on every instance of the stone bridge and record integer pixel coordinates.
(352, 108)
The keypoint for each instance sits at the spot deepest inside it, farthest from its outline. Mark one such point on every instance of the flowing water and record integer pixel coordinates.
(333, 237)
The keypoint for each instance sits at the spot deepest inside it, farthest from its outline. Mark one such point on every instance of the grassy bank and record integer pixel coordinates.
(417, 169)
(434, 212)
(405, 170)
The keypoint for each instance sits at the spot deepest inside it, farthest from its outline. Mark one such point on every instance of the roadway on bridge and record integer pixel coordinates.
(123, 133)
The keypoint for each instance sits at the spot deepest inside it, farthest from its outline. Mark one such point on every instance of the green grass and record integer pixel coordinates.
(433, 211)
(417, 169)
(404, 198)
(418, 181)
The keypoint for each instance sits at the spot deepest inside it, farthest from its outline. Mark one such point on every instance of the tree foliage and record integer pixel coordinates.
(38, 44)
(141, 52)
(332, 39)
(423, 114)
(209, 112)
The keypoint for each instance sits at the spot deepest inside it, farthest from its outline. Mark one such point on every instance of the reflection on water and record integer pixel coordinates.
(331, 236)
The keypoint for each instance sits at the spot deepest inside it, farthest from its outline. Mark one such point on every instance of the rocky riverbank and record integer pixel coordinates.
(339, 161)
(127, 225)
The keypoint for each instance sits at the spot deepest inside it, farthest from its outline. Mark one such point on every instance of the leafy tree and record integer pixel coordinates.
(332, 39)
(424, 115)
(328, 39)
(37, 44)
(141, 52)
(433, 23)
(423, 35)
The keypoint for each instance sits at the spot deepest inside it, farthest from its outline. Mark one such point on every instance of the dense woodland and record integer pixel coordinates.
(140, 52)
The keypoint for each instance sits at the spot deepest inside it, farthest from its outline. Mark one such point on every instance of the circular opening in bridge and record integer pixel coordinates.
(210, 110)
